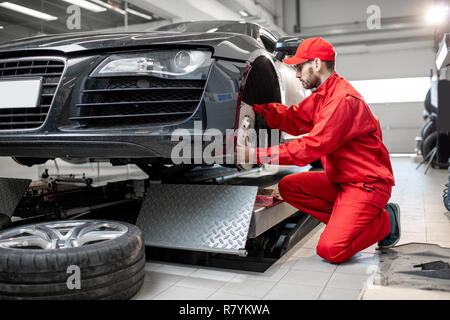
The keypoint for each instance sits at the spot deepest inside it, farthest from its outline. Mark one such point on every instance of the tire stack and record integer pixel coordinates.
(429, 130)
(446, 193)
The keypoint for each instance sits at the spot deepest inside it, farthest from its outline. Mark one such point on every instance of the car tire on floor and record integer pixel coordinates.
(75, 259)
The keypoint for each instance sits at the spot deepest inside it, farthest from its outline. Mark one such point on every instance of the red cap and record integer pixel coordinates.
(310, 49)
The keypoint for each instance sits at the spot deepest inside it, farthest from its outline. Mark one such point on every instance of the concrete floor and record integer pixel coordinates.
(301, 274)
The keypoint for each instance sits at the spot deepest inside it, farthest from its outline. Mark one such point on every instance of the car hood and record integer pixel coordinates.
(81, 42)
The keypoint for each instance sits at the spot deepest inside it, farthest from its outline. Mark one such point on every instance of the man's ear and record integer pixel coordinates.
(317, 64)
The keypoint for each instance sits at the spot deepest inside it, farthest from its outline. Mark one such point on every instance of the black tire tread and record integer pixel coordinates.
(61, 287)
(127, 294)
(97, 293)
(428, 129)
(113, 269)
(429, 143)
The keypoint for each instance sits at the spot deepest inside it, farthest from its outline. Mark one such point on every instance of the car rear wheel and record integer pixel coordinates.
(76, 259)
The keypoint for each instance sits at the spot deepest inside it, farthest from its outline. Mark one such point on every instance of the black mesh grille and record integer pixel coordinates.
(26, 118)
(108, 102)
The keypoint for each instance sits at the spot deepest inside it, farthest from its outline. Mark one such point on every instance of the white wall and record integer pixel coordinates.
(385, 61)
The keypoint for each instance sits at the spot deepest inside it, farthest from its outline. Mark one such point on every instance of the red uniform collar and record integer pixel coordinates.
(327, 84)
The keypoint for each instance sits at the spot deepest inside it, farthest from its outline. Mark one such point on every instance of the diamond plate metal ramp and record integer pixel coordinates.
(11, 191)
(210, 218)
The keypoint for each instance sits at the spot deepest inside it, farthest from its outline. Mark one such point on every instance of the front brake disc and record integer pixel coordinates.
(246, 136)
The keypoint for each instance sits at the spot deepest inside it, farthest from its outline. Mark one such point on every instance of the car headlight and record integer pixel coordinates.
(186, 64)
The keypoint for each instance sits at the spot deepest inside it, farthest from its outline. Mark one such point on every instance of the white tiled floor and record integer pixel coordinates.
(301, 274)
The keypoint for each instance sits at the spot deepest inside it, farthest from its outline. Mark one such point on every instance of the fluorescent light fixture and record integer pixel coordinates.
(437, 14)
(86, 5)
(393, 90)
(107, 5)
(139, 14)
(243, 13)
(27, 11)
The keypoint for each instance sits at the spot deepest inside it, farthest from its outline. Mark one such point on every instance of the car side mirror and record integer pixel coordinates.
(286, 46)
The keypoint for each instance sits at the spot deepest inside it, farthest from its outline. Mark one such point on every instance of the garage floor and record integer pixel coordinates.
(301, 274)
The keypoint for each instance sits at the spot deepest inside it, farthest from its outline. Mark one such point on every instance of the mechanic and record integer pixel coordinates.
(351, 195)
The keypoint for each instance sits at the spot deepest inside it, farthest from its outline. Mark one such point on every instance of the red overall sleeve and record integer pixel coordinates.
(332, 130)
(295, 120)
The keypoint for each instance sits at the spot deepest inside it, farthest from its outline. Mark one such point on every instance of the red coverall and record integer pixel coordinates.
(350, 196)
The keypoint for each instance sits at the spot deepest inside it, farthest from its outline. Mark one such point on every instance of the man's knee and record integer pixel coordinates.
(290, 184)
(283, 186)
(330, 250)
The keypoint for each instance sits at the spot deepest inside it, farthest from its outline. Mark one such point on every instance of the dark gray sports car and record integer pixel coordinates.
(119, 96)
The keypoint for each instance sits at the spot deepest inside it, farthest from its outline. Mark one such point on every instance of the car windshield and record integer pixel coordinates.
(207, 26)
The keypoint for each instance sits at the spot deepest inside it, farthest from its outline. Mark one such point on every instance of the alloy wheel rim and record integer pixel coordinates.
(61, 234)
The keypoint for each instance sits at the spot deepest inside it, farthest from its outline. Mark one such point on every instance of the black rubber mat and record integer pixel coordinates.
(416, 265)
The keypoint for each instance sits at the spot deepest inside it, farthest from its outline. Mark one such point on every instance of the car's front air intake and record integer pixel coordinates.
(145, 100)
(50, 69)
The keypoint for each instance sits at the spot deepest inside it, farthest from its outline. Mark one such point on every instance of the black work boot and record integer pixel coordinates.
(394, 236)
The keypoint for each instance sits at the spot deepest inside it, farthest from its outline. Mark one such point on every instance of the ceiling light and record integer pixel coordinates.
(139, 14)
(1, 27)
(243, 13)
(27, 11)
(86, 5)
(437, 14)
(109, 6)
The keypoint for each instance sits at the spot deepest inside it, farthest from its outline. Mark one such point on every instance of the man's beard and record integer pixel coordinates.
(309, 83)
(306, 85)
